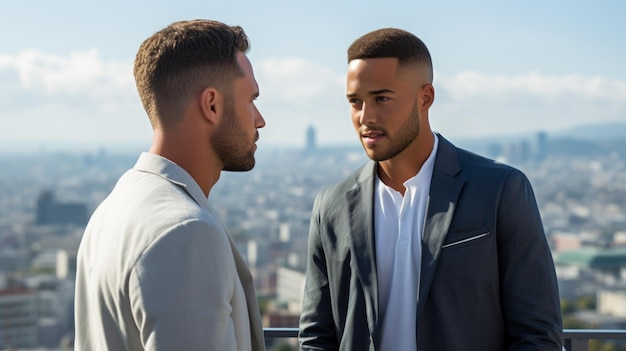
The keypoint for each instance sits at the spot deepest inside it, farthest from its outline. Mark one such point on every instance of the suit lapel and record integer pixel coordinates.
(442, 199)
(181, 178)
(443, 195)
(360, 201)
(248, 286)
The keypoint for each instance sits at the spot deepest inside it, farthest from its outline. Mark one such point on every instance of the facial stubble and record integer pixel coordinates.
(231, 143)
(407, 133)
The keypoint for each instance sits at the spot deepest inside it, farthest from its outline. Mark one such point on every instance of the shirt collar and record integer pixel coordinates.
(425, 172)
(166, 169)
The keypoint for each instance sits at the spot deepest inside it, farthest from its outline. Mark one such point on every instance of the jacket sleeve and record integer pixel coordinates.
(181, 291)
(317, 330)
(529, 289)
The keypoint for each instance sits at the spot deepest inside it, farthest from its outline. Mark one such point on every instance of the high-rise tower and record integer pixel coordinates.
(311, 142)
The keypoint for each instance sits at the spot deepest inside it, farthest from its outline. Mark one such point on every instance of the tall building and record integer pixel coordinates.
(541, 150)
(495, 150)
(290, 286)
(49, 211)
(18, 316)
(516, 152)
(311, 142)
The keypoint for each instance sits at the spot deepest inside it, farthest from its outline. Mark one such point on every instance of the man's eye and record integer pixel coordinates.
(381, 98)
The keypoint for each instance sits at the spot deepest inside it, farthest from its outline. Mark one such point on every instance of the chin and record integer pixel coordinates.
(371, 154)
(242, 166)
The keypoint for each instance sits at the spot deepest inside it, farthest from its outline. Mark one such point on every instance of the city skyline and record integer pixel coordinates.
(603, 133)
(500, 68)
(267, 211)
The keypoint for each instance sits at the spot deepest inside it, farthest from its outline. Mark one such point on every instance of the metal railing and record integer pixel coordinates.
(578, 339)
(575, 339)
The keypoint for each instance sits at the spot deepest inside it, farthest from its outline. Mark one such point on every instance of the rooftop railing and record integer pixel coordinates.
(575, 339)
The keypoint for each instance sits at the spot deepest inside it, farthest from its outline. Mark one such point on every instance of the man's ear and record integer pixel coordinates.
(427, 96)
(211, 104)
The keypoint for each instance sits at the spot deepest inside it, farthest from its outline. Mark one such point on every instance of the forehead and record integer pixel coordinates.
(248, 79)
(374, 73)
(245, 64)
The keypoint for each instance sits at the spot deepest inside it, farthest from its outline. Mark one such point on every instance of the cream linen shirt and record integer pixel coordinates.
(157, 271)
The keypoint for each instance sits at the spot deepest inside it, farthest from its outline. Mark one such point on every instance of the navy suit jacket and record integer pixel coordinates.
(487, 275)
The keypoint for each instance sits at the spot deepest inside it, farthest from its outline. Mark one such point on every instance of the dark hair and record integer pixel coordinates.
(391, 42)
(180, 60)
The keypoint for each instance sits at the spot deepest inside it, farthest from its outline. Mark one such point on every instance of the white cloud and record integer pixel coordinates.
(471, 84)
(5, 62)
(80, 96)
(298, 82)
(79, 74)
(77, 97)
(477, 103)
(296, 93)
(61, 122)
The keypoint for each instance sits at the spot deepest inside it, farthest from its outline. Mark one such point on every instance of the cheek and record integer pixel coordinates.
(246, 114)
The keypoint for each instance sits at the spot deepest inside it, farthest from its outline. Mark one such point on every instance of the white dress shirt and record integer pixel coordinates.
(399, 223)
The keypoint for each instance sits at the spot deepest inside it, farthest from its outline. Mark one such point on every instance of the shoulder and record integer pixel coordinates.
(144, 209)
(474, 165)
(192, 248)
(476, 171)
(202, 235)
(362, 176)
(483, 176)
(182, 223)
(155, 196)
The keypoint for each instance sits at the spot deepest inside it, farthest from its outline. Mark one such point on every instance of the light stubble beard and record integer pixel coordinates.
(231, 143)
(407, 133)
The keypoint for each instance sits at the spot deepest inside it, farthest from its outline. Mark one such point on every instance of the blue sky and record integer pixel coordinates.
(501, 67)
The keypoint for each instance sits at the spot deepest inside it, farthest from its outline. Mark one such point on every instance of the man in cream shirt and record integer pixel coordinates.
(156, 268)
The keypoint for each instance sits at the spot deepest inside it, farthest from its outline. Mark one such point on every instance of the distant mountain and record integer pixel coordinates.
(594, 132)
(589, 139)
(574, 146)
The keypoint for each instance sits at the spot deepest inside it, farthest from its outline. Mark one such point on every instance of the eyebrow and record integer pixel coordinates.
(373, 92)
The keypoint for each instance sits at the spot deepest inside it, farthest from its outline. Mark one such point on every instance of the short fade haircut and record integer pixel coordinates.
(391, 42)
(180, 60)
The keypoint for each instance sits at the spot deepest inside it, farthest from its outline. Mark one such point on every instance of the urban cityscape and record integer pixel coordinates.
(46, 198)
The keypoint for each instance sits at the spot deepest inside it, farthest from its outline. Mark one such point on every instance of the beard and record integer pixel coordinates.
(407, 133)
(231, 143)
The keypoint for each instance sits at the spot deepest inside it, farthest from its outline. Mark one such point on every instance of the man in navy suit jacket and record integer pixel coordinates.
(426, 247)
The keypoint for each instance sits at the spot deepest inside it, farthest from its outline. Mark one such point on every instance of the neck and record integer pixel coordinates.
(187, 153)
(395, 171)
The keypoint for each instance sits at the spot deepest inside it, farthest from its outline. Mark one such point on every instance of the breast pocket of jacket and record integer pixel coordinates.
(459, 238)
